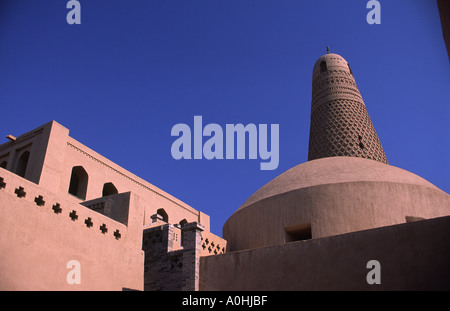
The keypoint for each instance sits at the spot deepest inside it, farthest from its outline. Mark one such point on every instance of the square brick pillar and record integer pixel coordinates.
(192, 241)
(157, 243)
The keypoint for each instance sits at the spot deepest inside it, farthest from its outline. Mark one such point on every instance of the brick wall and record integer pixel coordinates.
(166, 266)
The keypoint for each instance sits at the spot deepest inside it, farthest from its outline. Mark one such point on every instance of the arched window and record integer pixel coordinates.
(3, 164)
(323, 66)
(22, 164)
(164, 215)
(109, 189)
(78, 182)
(182, 223)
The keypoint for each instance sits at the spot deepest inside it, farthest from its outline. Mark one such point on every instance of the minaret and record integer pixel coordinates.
(340, 124)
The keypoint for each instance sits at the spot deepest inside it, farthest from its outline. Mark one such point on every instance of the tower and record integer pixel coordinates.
(316, 225)
(348, 187)
(340, 124)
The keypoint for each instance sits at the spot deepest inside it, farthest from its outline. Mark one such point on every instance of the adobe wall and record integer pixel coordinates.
(413, 256)
(35, 142)
(42, 232)
(101, 171)
(53, 154)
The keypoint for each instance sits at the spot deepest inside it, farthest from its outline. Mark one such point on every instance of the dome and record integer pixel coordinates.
(335, 170)
(332, 61)
(331, 196)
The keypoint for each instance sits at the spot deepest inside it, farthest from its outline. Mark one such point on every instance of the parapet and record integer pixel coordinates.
(44, 231)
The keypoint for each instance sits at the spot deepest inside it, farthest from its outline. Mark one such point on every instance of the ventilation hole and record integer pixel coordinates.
(103, 228)
(117, 234)
(89, 222)
(39, 201)
(73, 215)
(57, 208)
(20, 193)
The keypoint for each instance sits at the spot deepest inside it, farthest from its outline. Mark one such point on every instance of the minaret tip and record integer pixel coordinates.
(328, 50)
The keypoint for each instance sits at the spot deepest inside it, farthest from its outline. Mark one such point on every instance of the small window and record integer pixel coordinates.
(78, 182)
(298, 233)
(323, 66)
(109, 189)
(163, 214)
(413, 219)
(182, 223)
(3, 164)
(22, 164)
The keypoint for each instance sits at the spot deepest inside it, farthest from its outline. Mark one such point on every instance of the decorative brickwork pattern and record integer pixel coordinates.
(166, 269)
(212, 245)
(340, 124)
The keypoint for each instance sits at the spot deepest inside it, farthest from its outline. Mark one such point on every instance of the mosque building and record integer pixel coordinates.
(71, 219)
(317, 226)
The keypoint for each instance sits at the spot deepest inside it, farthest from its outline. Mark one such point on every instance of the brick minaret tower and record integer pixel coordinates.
(340, 124)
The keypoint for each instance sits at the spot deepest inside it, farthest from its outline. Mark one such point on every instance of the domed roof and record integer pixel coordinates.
(333, 62)
(334, 170)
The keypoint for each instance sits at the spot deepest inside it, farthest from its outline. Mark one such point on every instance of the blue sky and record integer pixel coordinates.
(133, 69)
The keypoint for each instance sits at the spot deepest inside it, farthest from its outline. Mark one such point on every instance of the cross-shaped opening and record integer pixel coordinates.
(73, 215)
(89, 222)
(57, 208)
(20, 193)
(39, 200)
(103, 228)
(2, 183)
(117, 234)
